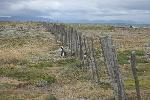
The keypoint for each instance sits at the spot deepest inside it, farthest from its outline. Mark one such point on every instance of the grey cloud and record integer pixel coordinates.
(78, 9)
(125, 4)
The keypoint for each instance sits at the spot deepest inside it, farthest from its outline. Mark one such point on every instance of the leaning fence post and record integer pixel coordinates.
(133, 65)
(113, 68)
(105, 44)
(118, 76)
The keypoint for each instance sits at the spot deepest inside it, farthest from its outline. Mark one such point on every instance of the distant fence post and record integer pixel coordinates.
(133, 65)
(147, 51)
(76, 43)
(66, 36)
(80, 44)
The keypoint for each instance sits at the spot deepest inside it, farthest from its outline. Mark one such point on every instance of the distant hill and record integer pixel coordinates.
(47, 19)
(44, 19)
(25, 19)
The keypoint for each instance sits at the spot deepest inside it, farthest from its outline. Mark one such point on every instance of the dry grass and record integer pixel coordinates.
(21, 49)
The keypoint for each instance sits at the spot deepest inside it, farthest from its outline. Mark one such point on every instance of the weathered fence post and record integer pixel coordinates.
(95, 62)
(76, 42)
(133, 65)
(65, 36)
(118, 77)
(85, 51)
(90, 62)
(71, 40)
(105, 45)
(113, 68)
(69, 37)
(85, 45)
(146, 50)
(62, 34)
(80, 44)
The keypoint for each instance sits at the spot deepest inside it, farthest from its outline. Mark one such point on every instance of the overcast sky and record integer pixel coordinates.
(134, 10)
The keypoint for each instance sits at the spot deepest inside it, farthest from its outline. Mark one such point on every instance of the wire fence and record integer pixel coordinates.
(93, 52)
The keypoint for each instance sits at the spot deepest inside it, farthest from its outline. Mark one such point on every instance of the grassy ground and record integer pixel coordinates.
(32, 69)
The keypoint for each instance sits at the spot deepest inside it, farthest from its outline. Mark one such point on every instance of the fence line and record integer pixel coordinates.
(83, 48)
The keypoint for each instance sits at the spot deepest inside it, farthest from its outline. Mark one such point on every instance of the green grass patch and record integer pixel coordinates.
(42, 64)
(105, 85)
(49, 79)
(19, 96)
(6, 96)
(50, 97)
(143, 69)
(124, 57)
(29, 75)
(65, 62)
(58, 63)
(144, 84)
(139, 53)
(7, 86)
(14, 61)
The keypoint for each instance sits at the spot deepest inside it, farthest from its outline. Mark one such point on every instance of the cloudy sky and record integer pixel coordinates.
(134, 10)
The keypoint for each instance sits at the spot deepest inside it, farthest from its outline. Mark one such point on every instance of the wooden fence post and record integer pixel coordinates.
(113, 68)
(76, 43)
(66, 36)
(105, 45)
(85, 60)
(90, 62)
(85, 45)
(71, 40)
(133, 65)
(62, 34)
(95, 62)
(69, 37)
(118, 77)
(80, 43)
